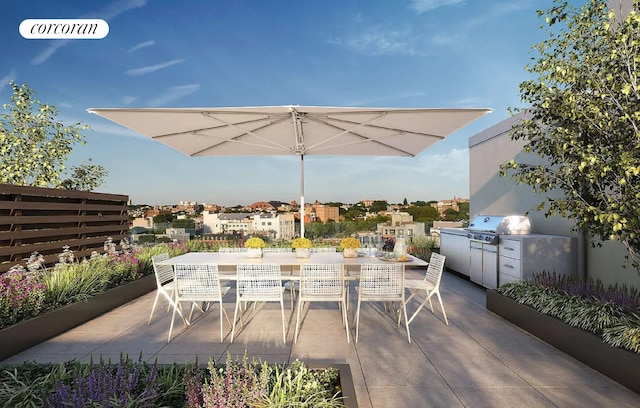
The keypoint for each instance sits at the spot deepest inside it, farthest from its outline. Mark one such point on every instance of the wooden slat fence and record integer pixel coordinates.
(44, 220)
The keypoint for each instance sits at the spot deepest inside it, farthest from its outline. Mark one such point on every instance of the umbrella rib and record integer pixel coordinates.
(235, 139)
(364, 138)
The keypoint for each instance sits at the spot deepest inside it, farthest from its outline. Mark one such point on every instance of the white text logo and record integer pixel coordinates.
(64, 29)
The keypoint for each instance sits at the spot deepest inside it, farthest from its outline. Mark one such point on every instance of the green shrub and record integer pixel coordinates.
(607, 319)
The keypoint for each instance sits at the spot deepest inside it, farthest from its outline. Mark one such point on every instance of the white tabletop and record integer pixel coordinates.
(281, 258)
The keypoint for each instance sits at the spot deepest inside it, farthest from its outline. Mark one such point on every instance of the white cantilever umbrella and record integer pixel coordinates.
(294, 130)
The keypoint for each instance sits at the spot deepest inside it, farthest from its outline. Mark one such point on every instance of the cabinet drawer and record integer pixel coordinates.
(510, 248)
(503, 278)
(509, 266)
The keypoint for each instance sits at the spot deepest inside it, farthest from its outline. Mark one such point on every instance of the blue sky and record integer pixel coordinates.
(369, 53)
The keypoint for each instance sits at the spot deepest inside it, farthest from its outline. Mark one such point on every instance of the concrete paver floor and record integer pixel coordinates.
(478, 360)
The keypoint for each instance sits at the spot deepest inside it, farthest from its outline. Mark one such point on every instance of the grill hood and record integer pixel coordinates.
(501, 224)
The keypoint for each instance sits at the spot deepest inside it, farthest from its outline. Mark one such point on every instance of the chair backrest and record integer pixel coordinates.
(232, 249)
(383, 280)
(321, 280)
(255, 280)
(276, 249)
(198, 279)
(164, 273)
(324, 249)
(435, 268)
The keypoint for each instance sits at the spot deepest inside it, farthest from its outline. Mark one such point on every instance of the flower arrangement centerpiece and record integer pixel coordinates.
(254, 247)
(302, 246)
(350, 247)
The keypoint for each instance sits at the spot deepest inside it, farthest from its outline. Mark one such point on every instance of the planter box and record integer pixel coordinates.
(28, 333)
(346, 382)
(621, 365)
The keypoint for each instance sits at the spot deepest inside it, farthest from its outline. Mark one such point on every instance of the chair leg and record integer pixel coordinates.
(173, 317)
(284, 328)
(345, 318)
(233, 327)
(423, 304)
(357, 320)
(406, 322)
(442, 308)
(300, 305)
(155, 302)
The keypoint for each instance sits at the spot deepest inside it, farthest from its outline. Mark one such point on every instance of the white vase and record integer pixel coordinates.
(254, 252)
(303, 252)
(350, 253)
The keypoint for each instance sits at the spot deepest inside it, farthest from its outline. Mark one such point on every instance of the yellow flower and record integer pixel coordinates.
(254, 242)
(350, 243)
(302, 243)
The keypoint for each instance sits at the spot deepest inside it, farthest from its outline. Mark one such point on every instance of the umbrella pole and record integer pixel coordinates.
(302, 195)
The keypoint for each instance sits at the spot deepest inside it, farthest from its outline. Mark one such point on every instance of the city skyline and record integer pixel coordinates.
(412, 53)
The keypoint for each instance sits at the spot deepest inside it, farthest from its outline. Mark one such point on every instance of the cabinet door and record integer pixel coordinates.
(490, 267)
(475, 264)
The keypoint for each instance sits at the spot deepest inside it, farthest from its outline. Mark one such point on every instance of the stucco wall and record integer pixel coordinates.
(494, 195)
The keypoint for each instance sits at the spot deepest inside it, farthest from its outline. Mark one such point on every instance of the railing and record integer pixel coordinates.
(44, 220)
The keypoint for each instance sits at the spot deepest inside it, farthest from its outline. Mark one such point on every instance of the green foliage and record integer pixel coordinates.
(606, 319)
(31, 384)
(379, 206)
(423, 213)
(584, 121)
(183, 223)
(75, 282)
(34, 146)
(85, 177)
(163, 218)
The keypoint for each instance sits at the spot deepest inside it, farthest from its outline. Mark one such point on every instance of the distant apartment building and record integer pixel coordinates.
(443, 205)
(273, 225)
(144, 222)
(401, 224)
(325, 213)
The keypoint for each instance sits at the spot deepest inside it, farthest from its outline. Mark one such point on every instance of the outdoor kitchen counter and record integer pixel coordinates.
(454, 245)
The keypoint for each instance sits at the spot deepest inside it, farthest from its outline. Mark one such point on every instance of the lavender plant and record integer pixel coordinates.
(124, 384)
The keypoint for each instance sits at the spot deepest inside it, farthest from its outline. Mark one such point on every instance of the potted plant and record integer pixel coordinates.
(302, 246)
(350, 247)
(254, 247)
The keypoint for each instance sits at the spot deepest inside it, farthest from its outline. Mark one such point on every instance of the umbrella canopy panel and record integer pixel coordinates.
(287, 130)
(294, 130)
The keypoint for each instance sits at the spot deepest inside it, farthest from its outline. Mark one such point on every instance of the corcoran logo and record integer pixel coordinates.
(64, 29)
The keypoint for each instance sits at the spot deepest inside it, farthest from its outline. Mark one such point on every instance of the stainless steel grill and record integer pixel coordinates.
(484, 236)
(488, 228)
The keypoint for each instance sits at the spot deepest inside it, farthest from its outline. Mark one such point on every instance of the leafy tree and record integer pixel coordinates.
(379, 206)
(163, 218)
(34, 146)
(183, 223)
(85, 177)
(584, 120)
(405, 202)
(423, 213)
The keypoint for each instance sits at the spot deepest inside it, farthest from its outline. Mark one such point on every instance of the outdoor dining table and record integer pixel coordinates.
(288, 261)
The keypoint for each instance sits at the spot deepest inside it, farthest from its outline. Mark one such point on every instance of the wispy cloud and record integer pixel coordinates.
(115, 130)
(128, 100)
(381, 39)
(153, 68)
(422, 6)
(173, 93)
(4, 81)
(141, 45)
(109, 12)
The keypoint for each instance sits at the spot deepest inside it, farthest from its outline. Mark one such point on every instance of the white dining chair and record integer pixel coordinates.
(430, 285)
(165, 286)
(198, 283)
(382, 283)
(322, 283)
(232, 249)
(258, 283)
